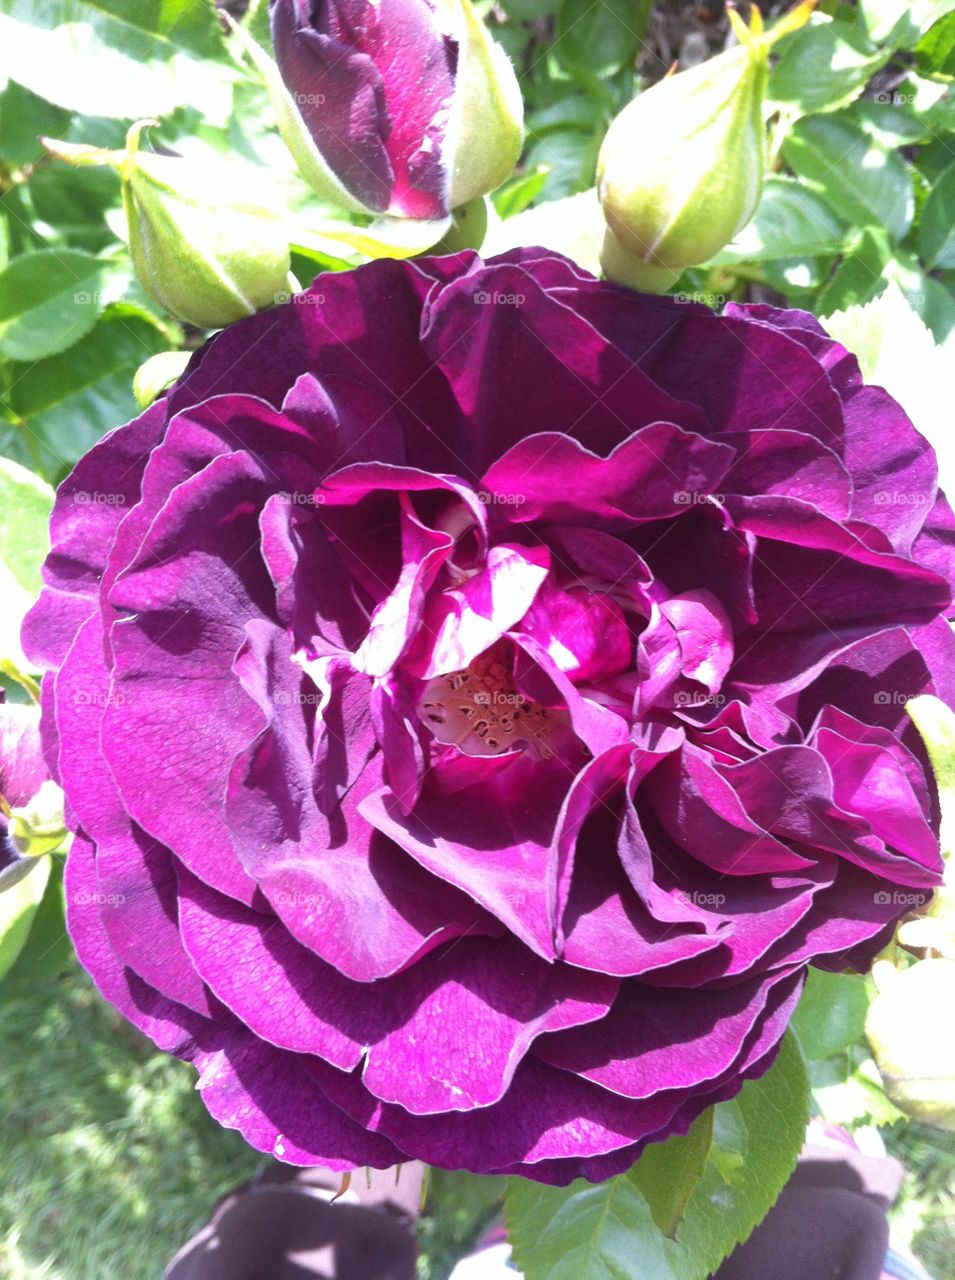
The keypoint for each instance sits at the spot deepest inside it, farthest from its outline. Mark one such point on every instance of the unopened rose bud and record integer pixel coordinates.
(912, 1034)
(467, 230)
(31, 805)
(681, 169)
(201, 243)
(401, 107)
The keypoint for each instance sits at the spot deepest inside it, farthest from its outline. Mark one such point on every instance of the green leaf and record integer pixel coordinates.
(24, 119)
(386, 237)
(515, 196)
(18, 905)
(75, 204)
(901, 22)
(48, 949)
(603, 1231)
(847, 1089)
(25, 505)
(668, 1172)
(858, 278)
(570, 155)
(790, 222)
(597, 39)
(529, 10)
(937, 227)
(890, 122)
(48, 301)
(66, 403)
(124, 58)
(935, 52)
(831, 1014)
(823, 67)
(858, 177)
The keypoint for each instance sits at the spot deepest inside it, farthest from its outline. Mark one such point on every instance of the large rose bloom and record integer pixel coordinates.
(479, 691)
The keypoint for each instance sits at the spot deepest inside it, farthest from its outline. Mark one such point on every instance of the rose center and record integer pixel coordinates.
(481, 712)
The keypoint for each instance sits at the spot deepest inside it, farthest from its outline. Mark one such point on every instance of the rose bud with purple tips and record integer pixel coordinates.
(403, 107)
(494, 694)
(31, 809)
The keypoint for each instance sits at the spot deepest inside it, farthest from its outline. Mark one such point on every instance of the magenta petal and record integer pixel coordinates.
(546, 1114)
(791, 463)
(174, 664)
(699, 809)
(487, 839)
(277, 1106)
(645, 1045)
(361, 905)
(585, 634)
(649, 476)
(22, 767)
(464, 621)
(490, 1003)
(135, 880)
(171, 1026)
(90, 504)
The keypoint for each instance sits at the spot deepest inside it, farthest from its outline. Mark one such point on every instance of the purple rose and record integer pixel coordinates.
(405, 107)
(482, 697)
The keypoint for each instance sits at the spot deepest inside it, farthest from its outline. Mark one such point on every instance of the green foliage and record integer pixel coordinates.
(18, 906)
(109, 1161)
(602, 1230)
(831, 1013)
(862, 143)
(457, 1209)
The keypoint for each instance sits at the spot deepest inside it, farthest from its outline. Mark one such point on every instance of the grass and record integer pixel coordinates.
(924, 1216)
(108, 1160)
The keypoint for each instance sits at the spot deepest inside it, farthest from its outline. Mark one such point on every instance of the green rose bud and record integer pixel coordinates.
(38, 827)
(467, 230)
(681, 169)
(204, 249)
(912, 1034)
